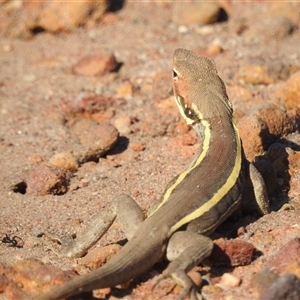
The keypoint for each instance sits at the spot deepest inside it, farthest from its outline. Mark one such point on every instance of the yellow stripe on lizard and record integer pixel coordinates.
(218, 196)
(181, 177)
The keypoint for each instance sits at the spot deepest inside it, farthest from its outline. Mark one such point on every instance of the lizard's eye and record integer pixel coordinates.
(175, 76)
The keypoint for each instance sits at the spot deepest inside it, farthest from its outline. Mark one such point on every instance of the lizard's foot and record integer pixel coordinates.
(129, 215)
(185, 250)
(66, 243)
(182, 279)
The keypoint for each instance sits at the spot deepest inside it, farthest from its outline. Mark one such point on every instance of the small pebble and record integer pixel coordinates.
(122, 124)
(196, 277)
(64, 160)
(230, 280)
(95, 65)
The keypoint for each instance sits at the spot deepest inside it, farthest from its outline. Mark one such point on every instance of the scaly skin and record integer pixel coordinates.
(197, 200)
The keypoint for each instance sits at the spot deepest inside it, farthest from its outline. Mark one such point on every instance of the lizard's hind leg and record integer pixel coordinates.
(185, 250)
(126, 212)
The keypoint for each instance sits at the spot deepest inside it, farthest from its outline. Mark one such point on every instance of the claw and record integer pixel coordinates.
(192, 290)
(195, 295)
(158, 280)
(66, 243)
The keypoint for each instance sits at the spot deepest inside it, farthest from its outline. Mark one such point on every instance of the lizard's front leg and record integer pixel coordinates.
(185, 250)
(126, 212)
(259, 189)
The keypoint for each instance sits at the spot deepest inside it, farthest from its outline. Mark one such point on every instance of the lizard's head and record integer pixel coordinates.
(195, 82)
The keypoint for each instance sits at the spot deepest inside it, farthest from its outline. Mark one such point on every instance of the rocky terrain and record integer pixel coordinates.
(86, 113)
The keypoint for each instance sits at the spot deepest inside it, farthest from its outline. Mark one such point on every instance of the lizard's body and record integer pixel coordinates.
(197, 200)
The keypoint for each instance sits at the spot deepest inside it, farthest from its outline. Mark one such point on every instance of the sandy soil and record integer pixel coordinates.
(38, 92)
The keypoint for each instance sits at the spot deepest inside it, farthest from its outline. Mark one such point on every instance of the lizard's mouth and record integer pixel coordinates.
(188, 110)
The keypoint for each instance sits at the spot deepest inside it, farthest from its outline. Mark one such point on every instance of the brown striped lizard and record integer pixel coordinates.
(193, 204)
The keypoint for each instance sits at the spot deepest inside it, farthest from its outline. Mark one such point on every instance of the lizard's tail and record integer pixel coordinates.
(130, 262)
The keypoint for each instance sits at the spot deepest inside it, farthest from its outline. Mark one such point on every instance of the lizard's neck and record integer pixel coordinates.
(217, 132)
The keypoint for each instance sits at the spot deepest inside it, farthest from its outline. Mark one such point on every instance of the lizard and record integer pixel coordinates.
(192, 205)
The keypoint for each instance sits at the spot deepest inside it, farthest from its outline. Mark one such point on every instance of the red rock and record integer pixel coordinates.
(289, 253)
(277, 120)
(55, 16)
(251, 127)
(293, 173)
(28, 279)
(137, 147)
(97, 257)
(260, 129)
(46, 179)
(196, 13)
(264, 72)
(52, 16)
(292, 93)
(255, 74)
(232, 252)
(96, 65)
(96, 139)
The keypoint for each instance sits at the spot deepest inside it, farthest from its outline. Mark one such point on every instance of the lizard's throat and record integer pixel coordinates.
(188, 110)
